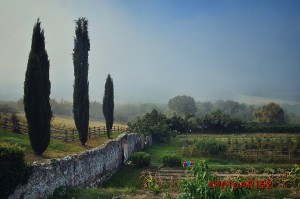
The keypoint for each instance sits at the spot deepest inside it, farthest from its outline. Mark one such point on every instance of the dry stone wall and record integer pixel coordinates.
(88, 169)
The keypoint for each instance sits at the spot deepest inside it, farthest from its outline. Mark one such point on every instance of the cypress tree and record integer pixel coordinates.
(108, 105)
(81, 84)
(37, 88)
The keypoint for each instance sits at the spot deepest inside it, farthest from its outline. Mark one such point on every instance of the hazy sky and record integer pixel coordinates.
(155, 50)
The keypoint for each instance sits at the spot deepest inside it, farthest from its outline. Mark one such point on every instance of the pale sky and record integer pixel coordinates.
(155, 50)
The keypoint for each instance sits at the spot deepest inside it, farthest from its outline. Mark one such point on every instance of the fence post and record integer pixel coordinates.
(5, 123)
(89, 132)
(18, 126)
(66, 135)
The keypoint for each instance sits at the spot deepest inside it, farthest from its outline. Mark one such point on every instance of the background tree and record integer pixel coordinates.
(81, 84)
(219, 122)
(37, 92)
(108, 105)
(177, 123)
(153, 123)
(182, 105)
(270, 113)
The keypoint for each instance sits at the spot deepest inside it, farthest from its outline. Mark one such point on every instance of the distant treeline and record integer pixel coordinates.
(123, 112)
(128, 112)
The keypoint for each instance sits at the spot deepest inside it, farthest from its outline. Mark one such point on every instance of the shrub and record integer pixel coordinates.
(13, 169)
(140, 159)
(171, 160)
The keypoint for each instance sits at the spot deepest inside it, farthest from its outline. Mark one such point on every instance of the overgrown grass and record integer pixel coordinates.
(86, 193)
(68, 122)
(57, 147)
(126, 177)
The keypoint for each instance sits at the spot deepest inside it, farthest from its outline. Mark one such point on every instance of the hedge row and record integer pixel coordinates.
(13, 169)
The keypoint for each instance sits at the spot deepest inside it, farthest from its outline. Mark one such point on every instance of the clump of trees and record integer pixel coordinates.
(81, 84)
(37, 92)
(153, 123)
(219, 122)
(270, 113)
(182, 105)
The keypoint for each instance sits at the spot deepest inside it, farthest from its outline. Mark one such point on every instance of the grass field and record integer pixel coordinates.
(68, 122)
(57, 147)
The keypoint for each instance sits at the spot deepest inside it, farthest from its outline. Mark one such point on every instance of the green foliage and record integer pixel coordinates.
(177, 123)
(294, 177)
(69, 192)
(197, 186)
(140, 159)
(253, 127)
(211, 147)
(171, 160)
(271, 113)
(13, 169)
(37, 92)
(182, 105)
(108, 105)
(153, 123)
(126, 176)
(219, 122)
(152, 183)
(81, 84)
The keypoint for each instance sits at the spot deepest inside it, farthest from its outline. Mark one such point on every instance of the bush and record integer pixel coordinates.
(140, 159)
(171, 160)
(13, 169)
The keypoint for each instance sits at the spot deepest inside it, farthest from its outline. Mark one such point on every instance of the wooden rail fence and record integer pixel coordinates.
(58, 132)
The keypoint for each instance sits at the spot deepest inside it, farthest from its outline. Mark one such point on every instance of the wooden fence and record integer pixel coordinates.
(58, 132)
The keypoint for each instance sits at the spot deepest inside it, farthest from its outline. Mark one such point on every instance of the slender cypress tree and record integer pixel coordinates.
(81, 84)
(108, 105)
(37, 88)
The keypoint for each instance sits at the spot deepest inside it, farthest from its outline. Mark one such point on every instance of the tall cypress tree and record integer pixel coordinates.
(108, 105)
(81, 84)
(37, 88)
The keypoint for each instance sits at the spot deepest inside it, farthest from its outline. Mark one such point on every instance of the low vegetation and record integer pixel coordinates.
(231, 154)
(140, 159)
(13, 168)
(171, 160)
(57, 147)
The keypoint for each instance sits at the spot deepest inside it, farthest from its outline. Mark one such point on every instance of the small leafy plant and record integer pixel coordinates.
(140, 159)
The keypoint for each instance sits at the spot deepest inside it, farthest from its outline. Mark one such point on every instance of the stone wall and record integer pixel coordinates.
(88, 169)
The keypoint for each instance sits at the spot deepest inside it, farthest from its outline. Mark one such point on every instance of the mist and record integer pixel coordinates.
(154, 50)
